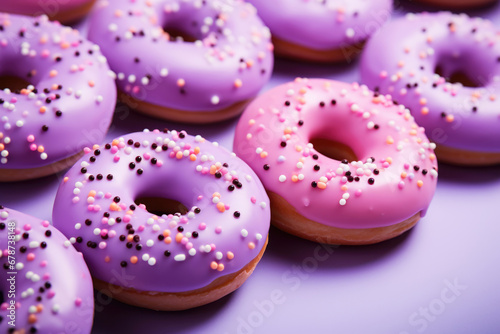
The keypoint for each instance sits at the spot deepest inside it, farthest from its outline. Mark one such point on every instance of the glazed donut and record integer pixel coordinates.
(341, 165)
(425, 62)
(176, 257)
(46, 286)
(65, 11)
(160, 74)
(322, 31)
(61, 97)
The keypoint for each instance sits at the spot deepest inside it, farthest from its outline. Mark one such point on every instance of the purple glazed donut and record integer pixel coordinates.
(65, 100)
(446, 69)
(46, 286)
(178, 258)
(206, 80)
(60, 10)
(325, 31)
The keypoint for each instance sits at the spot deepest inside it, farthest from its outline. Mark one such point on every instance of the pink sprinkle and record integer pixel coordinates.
(140, 228)
(358, 192)
(3, 307)
(87, 150)
(33, 147)
(97, 208)
(142, 206)
(78, 301)
(45, 223)
(189, 245)
(90, 207)
(104, 232)
(113, 150)
(184, 241)
(123, 206)
(183, 220)
(202, 226)
(112, 233)
(401, 184)
(226, 206)
(107, 195)
(383, 74)
(146, 156)
(27, 227)
(30, 138)
(212, 246)
(102, 245)
(76, 199)
(253, 200)
(104, 220)
(126, 218)
(45, 53)
(51, 294)
(218, 229)
(30, 257)
(406, 166)
(46, 277)
(159, 163)
(121, 144)
(13, 100)
(200, 197)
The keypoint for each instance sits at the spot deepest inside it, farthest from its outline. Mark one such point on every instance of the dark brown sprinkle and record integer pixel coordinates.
(83, 170)
(131, 165)
(45, 128)
(91, 177)
(348, 173)
(416, 168)
(315, 157)
(180, 228)
(138, 247)
(122, 237)
(301, 122)
(137, 238)
(314, 184)
(116, 199)
(236, 214)
(140, 171)
(99, 176)
(26, 235)
(6, 266)
(434, 85)
(132, 207)
(92, 159)
(136, 59)
(356, 179)
(109, 177)
(43, 245)
(79, 240)
(2, 226)
(443, 114)
(129, 245)
(194, 234)
(344, 161)
(167, 253)
(237, 183)
(350, 179)
(322, 104)
(107, 146)
(48, 285)
(48, 233)
(283, 144)
(376, 171)
(118, 220)
(161, 237)
(129, 226)
(266, 167)
(230, 187)
(218, 174)
(154, 161)
(58, 58)
(154, 146)
(59, 113)
(474, 109)
(88, 222)
(106, 214)
(333, 102)
(97, 152)
(123, 264)
(77, 53)
(197, 210)
(23, 249)
(225, 164)
(424, 171)
(316, 167)
(371, 180)
(164, 147)
(287, 103)
(376, 126)
(182, 135)
(137, 144)
(130, 142)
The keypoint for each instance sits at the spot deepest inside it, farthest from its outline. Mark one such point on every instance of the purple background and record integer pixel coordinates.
(441, 277)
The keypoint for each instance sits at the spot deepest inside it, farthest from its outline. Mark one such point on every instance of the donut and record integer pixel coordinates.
(66, 11)
(46, 286)
(341, 164)
(446, 69)
(60, 96)
(184, 60)
(322, 31)
(182, 219)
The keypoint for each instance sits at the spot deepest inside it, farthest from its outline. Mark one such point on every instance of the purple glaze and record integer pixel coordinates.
(323, 25)
(171, 165)
(401, 60)
(230, 61)
(274, 133)
(39, 7)
(46, 267)
(69, 74)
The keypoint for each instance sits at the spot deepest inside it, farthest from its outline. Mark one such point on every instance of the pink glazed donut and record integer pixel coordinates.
(122, 205)
(446, 69)
(46, 286)
(341, 164)
(324, 31)
(66, 11)
(224, 60)
(62, 96)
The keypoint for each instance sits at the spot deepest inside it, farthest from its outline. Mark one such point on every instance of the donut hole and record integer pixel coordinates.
(458, 69)
(178, 34)
(12, 82)
(333, 149)
(162, 206)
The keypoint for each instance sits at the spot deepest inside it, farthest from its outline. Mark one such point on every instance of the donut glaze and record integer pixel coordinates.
(69, 103)
(323, 25)
(229, 62)
(225, 227)
(53, 287)
(392, 179)
(401, 60)
(60, 10)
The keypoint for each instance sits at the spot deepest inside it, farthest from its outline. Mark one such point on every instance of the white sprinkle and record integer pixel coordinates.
(346, 196)
(342, 202)
(300, 165)
(163, 72)
(34, 244)
(244, 233)
(281, 158)
(350, 32)
(19, 266)
(43, 156)
(152, 261)
(56, 308)
(258, 236)
(282, 178)
(192, 251)
(263, 205)
(78, 226)
(145, 257)
(97, 231)
(150, 243)
(218, 255)
(180, 257)
(67, 243)
(215, 99)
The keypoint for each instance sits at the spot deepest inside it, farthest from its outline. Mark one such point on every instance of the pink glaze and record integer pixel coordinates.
(230, 60)
(39, 7)
(401, 60)
(53, 288)
(221, 233)
(397, 168)
(70, 102)
(323, 25)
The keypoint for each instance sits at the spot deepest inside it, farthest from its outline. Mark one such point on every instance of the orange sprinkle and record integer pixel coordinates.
(43, 109)
(39, 308)
(298, 148)
(221, 207)
(91, 83)
(220, 267)
(424, 111)
(251, 245)
(197, 150)
(92, 193)
(107, 259)
(493, 97)
(288, 130)
(32, 319)
(238, 83)
(166, 233)
(263, 154)
(65, 45)
(295, 178)
(344, 188)
(215, 194)
(403, 175)
(133, 259)
(179, 155)
(450, 118)
(420, 183)
(167, 240)
(432, 156)
(413, 132)
(181, 82)
(2, 147)
(40, 149)
(423, 101)
(389, 160)
(115, 142)
(65, 179)
(118, 13)
(130, 238)
(179, 237)
(251, 122)
(321, 185)
(230, 255)
(52, 73)
(389, 140)
(213, 265)
(114, 207)
(192, 157)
